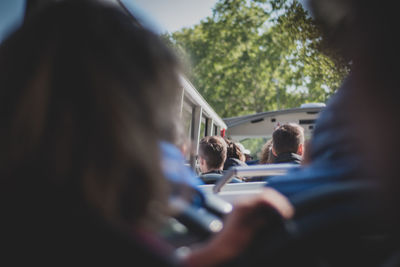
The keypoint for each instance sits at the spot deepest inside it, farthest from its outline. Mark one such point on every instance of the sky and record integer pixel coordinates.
(158, 15)
(171, 15)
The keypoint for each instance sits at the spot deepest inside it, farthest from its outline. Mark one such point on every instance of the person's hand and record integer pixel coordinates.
(240, 226)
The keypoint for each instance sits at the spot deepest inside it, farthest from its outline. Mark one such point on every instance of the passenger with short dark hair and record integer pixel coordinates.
(212, 154)
(288, 143)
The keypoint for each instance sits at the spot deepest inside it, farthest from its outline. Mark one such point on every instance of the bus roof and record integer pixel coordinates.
(263, 124)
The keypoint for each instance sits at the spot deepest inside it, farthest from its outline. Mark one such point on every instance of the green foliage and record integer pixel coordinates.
(254, 145)
(254, 56)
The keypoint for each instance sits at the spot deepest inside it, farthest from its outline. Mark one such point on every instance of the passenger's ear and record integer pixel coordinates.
(201, 160)
(274, 152)
(300, 150)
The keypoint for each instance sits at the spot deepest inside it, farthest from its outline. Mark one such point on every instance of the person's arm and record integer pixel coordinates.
(239, 229)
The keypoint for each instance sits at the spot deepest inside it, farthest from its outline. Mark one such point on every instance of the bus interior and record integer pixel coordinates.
(199, 119)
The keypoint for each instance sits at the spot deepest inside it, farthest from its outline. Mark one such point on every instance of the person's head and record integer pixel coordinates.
(212, 153)
(288, 138)
(233, 150)
(85, 94)
(246, 153)
(266, 155)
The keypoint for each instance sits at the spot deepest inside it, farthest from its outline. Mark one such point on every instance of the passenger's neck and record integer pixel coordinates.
(214, 169)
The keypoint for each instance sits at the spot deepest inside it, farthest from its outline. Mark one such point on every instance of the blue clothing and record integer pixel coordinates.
(252, 162)
(174, 167)
(181, 176)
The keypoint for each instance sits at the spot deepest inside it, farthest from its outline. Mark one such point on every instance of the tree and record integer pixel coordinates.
(254, 56)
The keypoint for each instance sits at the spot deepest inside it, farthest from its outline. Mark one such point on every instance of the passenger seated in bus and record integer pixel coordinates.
(246, 152)
(288, 143)
(212, 154)
(86, 98)
(266, 157)
(234, 155)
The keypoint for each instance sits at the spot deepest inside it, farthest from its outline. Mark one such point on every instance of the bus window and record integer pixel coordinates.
(215, 130)
(203, 128)
(187, 121)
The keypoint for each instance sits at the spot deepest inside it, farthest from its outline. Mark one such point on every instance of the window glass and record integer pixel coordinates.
(202, 128)
(187, 121)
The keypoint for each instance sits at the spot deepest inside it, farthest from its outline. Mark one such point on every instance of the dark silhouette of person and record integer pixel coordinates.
(355, 140)
(87, 96)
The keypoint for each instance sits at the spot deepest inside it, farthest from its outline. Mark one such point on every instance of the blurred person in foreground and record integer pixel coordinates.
(86, 98)
(355, 140)
(365, 34)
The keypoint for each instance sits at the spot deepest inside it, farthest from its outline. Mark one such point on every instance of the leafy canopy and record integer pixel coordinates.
(255, 56)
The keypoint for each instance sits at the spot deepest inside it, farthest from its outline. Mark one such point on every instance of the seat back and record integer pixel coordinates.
(212, 178)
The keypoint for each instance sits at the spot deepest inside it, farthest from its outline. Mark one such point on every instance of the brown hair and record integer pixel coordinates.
(233, 150)
(266, 153)
(287, 138)
(213, 149)
(83, 103)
